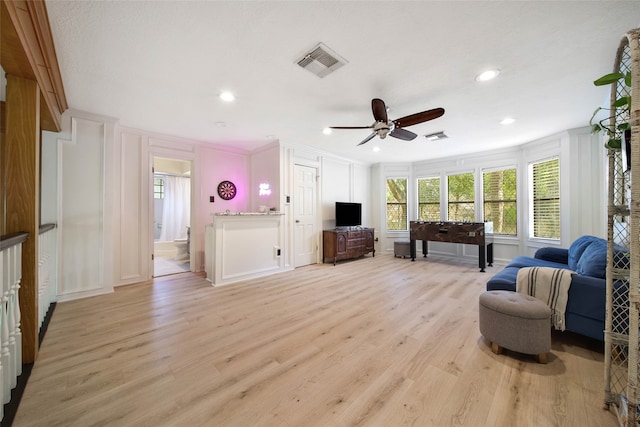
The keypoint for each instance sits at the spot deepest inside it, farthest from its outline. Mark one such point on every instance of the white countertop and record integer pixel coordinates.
(247, 213)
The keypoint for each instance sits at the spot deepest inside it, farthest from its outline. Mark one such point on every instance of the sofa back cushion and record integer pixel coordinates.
(593, 261)
(578, 247)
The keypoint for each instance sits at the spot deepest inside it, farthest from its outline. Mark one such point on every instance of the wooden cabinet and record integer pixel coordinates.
(342, 244)
(368, 241)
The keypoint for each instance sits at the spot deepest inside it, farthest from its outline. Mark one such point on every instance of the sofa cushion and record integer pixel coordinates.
(504, 280)
(559, 255)
(593, 261)
(578, 247)
(525, 261)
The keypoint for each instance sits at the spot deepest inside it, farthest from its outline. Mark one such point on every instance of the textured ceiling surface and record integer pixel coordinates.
(159, 66)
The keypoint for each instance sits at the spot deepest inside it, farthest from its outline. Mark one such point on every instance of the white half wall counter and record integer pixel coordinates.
(243, 245)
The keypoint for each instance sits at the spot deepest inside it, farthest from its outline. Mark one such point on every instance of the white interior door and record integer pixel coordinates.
(304, 215)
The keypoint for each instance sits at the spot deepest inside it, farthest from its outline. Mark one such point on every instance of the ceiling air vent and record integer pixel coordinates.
(321, 61)
(436, 136)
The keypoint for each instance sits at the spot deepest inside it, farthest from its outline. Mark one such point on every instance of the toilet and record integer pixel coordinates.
(182, 247)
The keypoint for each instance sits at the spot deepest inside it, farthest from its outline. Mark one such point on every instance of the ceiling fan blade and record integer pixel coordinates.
(350, 127)
(379, 110)
(402, 134)
(416, 118)
(367, 139)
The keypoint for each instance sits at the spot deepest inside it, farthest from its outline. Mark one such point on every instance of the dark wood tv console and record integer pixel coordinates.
(470, 233)
(347, 243)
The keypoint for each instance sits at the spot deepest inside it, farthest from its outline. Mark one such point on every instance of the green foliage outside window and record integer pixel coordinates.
(460, 206)
(500, 207)
(397, 204)
(429, 199)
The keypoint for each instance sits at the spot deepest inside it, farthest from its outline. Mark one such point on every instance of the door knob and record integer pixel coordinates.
(297, 220)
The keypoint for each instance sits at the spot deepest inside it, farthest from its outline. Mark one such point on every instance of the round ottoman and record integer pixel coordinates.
(516, 322)
(401, 248)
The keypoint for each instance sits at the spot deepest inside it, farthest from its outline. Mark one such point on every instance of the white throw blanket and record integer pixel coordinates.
(549, 285)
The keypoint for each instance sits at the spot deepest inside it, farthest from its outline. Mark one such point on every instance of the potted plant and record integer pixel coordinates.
(620, 108)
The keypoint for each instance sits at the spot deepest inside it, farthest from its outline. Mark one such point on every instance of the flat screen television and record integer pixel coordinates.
(348, 214)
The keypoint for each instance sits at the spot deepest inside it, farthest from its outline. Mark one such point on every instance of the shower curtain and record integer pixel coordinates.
(177, 208)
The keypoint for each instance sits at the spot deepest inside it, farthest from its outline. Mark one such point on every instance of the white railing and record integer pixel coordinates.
(10, 333)
(47, 273)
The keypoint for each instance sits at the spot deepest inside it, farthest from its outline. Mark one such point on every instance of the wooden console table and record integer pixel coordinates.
(347, 243)
(469, 233)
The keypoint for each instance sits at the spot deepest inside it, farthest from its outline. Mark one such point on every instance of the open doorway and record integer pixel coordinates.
(172, 216)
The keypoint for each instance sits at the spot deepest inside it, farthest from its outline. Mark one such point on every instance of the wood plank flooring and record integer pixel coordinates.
(373, 342)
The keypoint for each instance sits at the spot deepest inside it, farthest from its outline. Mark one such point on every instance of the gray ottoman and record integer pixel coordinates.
(401, 248)
(516, 322)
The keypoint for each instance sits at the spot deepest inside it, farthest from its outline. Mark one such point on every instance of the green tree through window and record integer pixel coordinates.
(460, 205)
(397, 204)
(500, 207)
(429, 199)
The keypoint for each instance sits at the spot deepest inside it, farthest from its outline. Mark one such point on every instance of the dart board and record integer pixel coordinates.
(227, 190)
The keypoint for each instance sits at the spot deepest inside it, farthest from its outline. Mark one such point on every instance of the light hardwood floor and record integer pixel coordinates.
(373, 342)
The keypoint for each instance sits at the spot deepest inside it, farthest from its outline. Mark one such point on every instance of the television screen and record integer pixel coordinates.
(348, 214)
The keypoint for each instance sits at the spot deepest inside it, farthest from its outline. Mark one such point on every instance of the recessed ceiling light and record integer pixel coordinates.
(376, 149)
(227, 96)
(507, 121)
(327, 131)
(487, 75)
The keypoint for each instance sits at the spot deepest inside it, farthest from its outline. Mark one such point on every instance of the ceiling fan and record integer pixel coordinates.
(395, 128)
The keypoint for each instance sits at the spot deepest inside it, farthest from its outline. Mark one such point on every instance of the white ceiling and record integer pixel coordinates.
(160, 65)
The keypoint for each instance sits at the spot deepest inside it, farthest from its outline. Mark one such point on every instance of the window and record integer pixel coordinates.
(460, 206)
(429, 199)
(397, 204)
(545, 192)
(499, 190)
(158, 188)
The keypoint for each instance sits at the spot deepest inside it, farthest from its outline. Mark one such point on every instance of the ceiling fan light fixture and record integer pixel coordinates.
(436, 136)
(487, 75)
(507, 121)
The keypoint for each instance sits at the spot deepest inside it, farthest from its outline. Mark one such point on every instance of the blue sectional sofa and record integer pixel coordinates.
(587, 256)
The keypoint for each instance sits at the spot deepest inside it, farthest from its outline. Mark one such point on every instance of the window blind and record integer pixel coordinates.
(546, 199)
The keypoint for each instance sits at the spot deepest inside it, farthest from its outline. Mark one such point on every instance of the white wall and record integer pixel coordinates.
(98, 188)
(212, 164)
(340, 180)
(101, 173)
(265, 168)
(83, 204)
(343, 181)
(49, 180)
